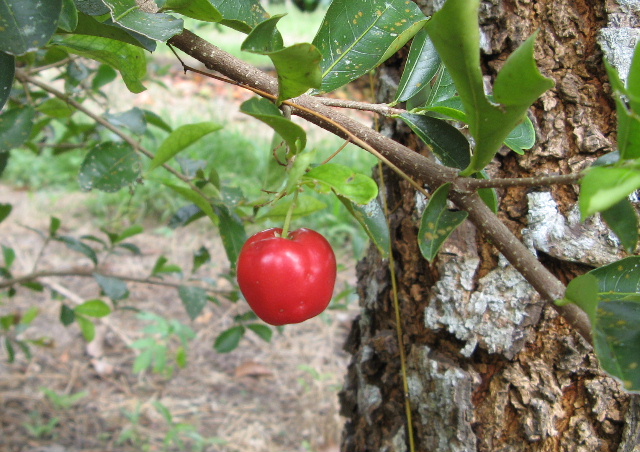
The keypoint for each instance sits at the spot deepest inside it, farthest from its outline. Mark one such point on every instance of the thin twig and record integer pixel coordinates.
(467, 184)
(382, 109)
(92, 273)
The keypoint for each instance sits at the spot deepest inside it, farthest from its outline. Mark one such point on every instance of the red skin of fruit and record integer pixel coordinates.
(287, 280)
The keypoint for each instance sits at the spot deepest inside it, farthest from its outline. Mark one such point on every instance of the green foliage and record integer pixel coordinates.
(356, 37)
(438, 222)
(610, 296)
(26, 25)
(455, 33)
(267, 112)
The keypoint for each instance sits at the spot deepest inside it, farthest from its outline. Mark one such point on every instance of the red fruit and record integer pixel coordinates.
(287, 280)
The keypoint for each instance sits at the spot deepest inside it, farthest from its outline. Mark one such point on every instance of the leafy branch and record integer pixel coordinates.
(417, 167)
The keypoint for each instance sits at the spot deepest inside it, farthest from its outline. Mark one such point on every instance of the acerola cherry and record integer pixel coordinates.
(287, 280)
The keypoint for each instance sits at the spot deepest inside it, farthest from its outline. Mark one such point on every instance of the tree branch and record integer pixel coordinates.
(418, 167)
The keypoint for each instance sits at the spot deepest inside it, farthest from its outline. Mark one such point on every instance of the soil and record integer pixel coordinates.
(277, 396)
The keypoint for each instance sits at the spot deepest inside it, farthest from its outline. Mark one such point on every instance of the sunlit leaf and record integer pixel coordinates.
(357, 187)
(180, 139)
(93, 308)
(241, 15)
(196, 9)
(603, 187)
(355, 37)
(156, 26)
(267, 112)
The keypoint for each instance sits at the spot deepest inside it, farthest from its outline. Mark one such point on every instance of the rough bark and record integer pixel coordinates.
(490, 366)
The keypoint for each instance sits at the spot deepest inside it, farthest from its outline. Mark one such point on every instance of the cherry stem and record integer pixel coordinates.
(287, 219)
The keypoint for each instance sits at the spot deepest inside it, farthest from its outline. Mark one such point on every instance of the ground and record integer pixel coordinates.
(278, 396)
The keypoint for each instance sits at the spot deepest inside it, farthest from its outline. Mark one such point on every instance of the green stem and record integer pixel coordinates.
(287, 219)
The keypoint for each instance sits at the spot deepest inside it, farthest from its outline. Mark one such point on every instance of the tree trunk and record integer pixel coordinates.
(490, 366)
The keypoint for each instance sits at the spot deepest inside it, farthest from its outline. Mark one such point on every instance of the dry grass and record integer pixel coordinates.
(278, 396)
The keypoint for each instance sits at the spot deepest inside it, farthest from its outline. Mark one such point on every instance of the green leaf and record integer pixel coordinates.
(180, 139)
(267, 112)
(357, 187)
(456, 35)
(90, 26)
(372, 219)
(241, 15)
(603, 187)
(56, 108)
(421, 67)
(522, 137)
(445, 141)
(200, 257)
(15, 127)
(68, 20)
(488, 195)
(7, 73)
(76, 245)
(114, 288)
(438, 222)
(156, 26)
(127, 59)
(229, 339)
(93, 308)
(196, 9)
(128, 233)
(109, 167)
(265, 37)
(54, 225)
(194, 197)
(355, 37)
(232, 232)
(623, 221)
(8, 255)
(27, 25)
(92, 7)
(133, 119)
(297, 66)
(610, 295)
(67, 315)
(305, 205)
(263, 331)
(87, 327)
(5, 211)
(194, 300)
(30, 315)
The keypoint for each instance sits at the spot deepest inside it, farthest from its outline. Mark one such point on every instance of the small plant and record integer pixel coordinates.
(39, 427)
(132, 434)
(164, 339)
(181, 434)
(63, 401)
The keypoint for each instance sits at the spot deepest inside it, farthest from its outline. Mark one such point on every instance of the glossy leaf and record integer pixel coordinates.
(456, 35)
(445, 141)
(610, 295)
(156, 26)
(196, 9)
(232, 232)
(15, 127)
(229, 339)
(438, 222)
(372, 219)
(194, 299)
(355, 37)
(127, 59)
(357, 187)
(603, 187)
(265, 37)
(109, 167)
(27, 25)
(180, 139)
(241, 15)
(7, 73)
(114, 288)
(422, 65)
(88, 25)
(93, 308)
(623, 221)
(267, 112)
